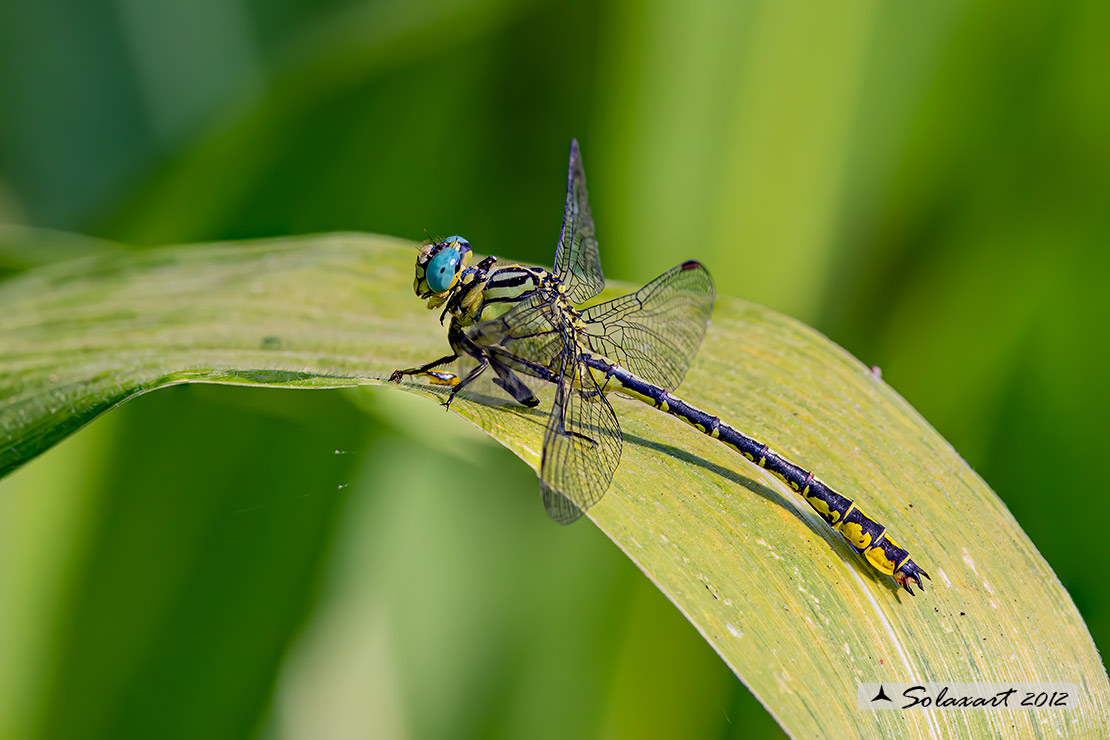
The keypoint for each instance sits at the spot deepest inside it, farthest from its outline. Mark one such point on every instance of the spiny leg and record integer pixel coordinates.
(429, 371)
(507, 365)
(483, 363)
(509, 382)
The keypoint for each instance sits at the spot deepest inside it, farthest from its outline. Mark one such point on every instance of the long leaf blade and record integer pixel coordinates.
(798, 617)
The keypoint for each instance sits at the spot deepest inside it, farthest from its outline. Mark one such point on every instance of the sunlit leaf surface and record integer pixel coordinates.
(785, 603)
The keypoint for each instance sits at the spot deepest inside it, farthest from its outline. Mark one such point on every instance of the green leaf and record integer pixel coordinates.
(796, 615)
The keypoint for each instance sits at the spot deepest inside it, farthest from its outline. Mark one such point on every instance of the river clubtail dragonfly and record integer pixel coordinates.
(523, 321)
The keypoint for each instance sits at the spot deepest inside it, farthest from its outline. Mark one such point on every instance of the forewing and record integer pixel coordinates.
(655, 332)
(577, 262)
(581, 449)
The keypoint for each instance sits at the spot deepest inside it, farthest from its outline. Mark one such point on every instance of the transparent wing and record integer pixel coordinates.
(656, 331)
(531, 331)
(581, 448)
(577, 262)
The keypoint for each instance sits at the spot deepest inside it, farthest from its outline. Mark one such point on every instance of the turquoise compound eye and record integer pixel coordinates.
(440, 272)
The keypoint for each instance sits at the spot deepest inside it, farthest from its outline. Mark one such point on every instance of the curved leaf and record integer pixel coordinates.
(785, 603)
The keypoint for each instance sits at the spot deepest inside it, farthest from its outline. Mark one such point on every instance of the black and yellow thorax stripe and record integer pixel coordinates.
(503, 289)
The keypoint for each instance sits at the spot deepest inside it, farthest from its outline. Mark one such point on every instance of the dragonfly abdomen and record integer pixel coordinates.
(863, 534)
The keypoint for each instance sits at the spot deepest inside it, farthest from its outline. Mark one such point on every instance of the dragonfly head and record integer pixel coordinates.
(439, 265)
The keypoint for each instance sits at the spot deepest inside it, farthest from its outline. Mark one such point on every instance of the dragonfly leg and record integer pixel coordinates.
(509, 382)
(437, 377)
(483, 363)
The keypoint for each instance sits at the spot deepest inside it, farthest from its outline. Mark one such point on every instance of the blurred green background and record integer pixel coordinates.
(926, 184)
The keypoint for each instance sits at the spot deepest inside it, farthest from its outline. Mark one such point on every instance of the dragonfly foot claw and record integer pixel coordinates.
(450, 397)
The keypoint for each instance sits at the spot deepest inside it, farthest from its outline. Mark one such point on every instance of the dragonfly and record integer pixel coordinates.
(524, 322)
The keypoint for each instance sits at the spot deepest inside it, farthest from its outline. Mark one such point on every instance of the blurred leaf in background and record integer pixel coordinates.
(926, 185)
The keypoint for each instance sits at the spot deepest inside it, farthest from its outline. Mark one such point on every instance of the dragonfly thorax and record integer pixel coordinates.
(506, 288)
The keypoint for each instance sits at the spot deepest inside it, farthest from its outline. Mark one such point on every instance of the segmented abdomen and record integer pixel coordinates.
(866, 536)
